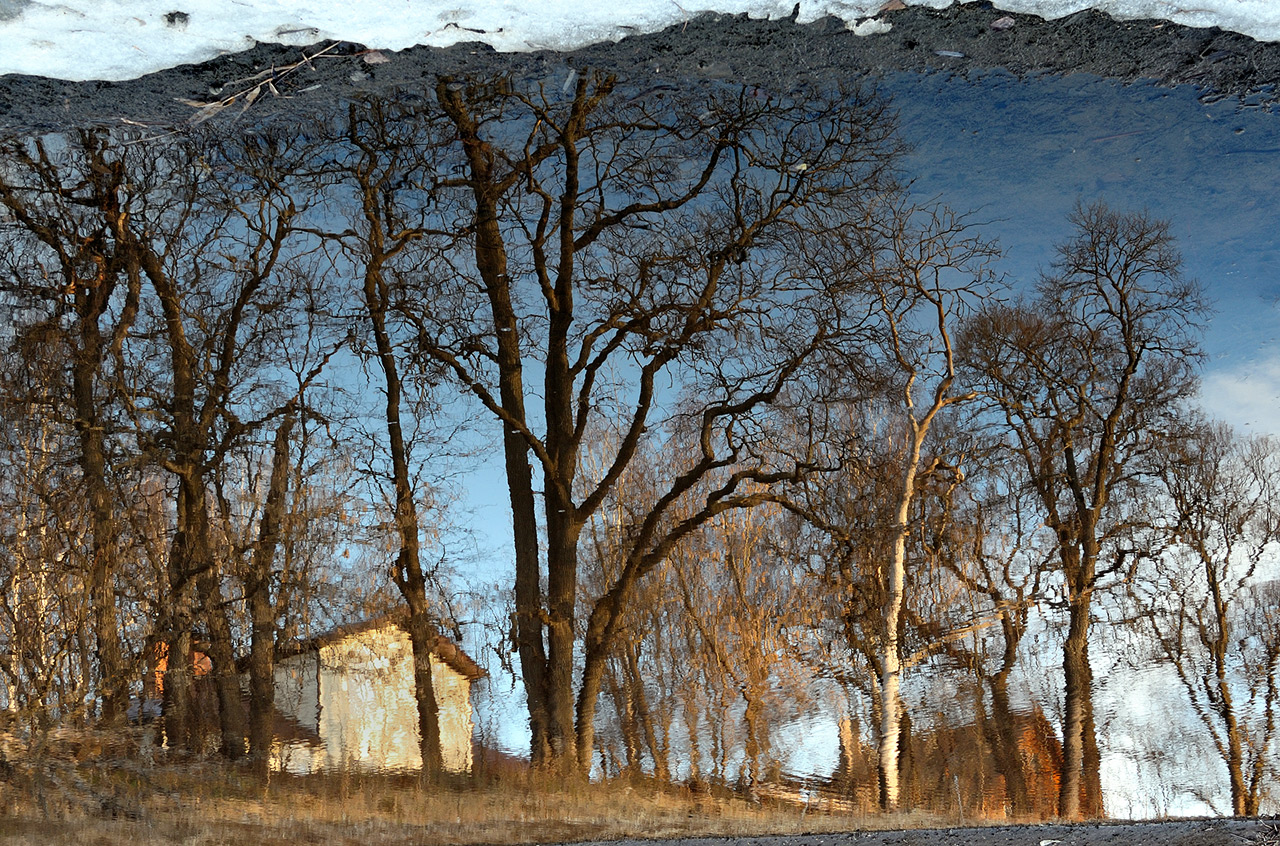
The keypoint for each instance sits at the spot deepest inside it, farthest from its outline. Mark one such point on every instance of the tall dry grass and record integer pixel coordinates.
(102, 802)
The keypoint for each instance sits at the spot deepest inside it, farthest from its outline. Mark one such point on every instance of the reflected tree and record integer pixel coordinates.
(1208, 601)
(589, 256)
(918, 271)
(1085, 379)
(71, 286)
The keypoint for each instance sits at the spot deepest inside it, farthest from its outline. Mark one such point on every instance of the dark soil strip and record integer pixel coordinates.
(776, 55)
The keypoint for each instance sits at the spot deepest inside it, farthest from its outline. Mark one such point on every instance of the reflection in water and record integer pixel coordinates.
(705, 331)
(1022, 153)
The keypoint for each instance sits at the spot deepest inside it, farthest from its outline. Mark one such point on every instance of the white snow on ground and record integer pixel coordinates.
(125, 39)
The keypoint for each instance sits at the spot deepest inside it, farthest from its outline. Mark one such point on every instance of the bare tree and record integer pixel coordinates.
(379, 159)
(262, 605)
(703, 647)
(582, 244)
(1204, 599)
(44, 615)
(281, 520)
(198, 266)
(69, 269)
(920, 285)
(162, 297)
(919, 269)
(1083, 379)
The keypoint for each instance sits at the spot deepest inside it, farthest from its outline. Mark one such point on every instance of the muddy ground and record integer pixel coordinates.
(773, 54)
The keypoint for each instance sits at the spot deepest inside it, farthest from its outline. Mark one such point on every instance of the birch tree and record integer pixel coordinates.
(919, 269)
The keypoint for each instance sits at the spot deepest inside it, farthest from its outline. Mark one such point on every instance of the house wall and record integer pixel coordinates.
(453, 695)
(368, 717)
(298, 699)
(297, 689)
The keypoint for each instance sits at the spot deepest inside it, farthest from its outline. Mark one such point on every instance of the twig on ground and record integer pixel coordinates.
(248, 95)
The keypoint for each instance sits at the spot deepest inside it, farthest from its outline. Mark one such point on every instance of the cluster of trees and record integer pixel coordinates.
(769, 426)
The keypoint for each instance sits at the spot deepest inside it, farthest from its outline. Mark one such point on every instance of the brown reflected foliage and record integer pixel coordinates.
(781, 462)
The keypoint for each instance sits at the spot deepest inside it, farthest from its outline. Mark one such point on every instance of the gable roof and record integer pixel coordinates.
(445, 649)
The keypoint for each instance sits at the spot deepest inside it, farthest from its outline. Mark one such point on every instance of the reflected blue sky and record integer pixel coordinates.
(1021, 153)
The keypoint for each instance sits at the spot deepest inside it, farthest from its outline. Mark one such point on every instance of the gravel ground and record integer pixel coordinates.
(1216, 832)
(774, 54)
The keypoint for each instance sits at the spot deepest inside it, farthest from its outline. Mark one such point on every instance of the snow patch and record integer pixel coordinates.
(125, 39)
(871, 26)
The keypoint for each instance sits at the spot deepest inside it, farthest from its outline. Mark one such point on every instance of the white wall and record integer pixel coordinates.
(368, 717)
(453, 695)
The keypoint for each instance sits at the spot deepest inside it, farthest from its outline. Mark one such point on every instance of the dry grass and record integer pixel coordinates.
(214, 805)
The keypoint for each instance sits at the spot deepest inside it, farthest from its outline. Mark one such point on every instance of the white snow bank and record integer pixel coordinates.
(125, 39)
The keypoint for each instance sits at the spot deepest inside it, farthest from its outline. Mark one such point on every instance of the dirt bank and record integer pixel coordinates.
(775, 54)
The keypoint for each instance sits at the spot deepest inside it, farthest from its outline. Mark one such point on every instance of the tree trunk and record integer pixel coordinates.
(92, 299)
(491, 264)
(424, 636)
(564, 527)
(1091, 760)
(1225, 707)
(262, 606)
(600, 635)
(1076, 719)
(193, 511)
(850, 755)
(908, 773)
(890, 678)
(407, 569)
(644, 714)
(177, 694)
(693, 724)
(562, 590)
(752, 716)
(1235, 759)
(226, 679)
(624, 707)
(1003, 737)
(890, 720)
(114, 684)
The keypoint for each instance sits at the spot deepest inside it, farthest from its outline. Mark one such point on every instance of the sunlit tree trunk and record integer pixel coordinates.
(890, 676)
